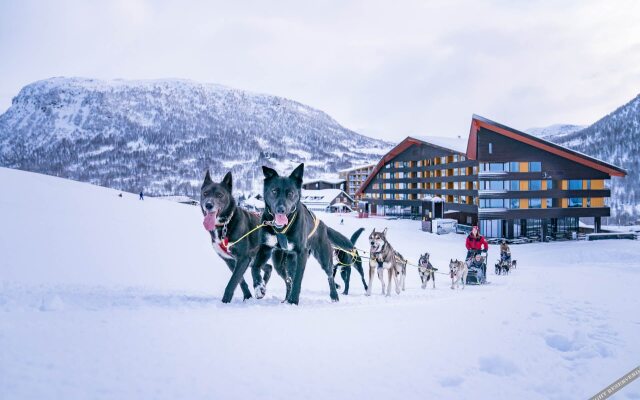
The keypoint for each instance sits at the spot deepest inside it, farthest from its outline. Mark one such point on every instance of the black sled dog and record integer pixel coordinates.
(348, 260)
(227, 224)
(296, 232)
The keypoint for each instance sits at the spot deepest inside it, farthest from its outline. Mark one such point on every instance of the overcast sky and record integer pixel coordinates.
(384, 69)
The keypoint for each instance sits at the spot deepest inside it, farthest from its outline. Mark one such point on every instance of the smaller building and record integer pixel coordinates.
(320, 184)
(330, 200)
(354, 177)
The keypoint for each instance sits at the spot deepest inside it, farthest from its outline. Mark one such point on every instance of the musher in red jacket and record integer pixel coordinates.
(475, 243)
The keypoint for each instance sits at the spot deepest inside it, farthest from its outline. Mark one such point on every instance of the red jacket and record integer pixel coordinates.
(476, 242)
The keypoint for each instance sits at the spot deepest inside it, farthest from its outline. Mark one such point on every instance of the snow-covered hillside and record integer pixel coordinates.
(161, 135)
(614, 138)
(556, 130)
(109, 297)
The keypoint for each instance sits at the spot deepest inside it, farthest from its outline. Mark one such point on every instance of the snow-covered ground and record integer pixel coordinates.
(105, 297)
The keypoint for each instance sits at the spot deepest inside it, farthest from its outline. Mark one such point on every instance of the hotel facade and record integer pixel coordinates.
(510, 183)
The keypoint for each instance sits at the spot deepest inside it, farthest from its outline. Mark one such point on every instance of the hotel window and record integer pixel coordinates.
(549, 184)
(535, 185)
(475, 170)
(514, 185)
(492, 203)
(387, 196)
(419, 163)
(588, 201)
(514, 203)
(535, 203)
(549, 202)
(475, 185)
(496, 167)
(463, 171)
(455, 158)
(455, 172)
(490, 148)
(462, 158)
(456, 185)
(588, 185)
(575, 202)
(388, 165)
(456, 199)
(514, 167)
(443, 160)
(535, 166)
(575, 184)
(387, 185)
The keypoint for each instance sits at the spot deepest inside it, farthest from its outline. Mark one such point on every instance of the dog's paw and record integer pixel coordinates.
(260, 291)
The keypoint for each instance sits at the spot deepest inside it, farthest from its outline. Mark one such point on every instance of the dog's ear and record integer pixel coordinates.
(269, 172)
(207, 178)
(228, 180)
(384, 232)
(374, 230)
(297, 174)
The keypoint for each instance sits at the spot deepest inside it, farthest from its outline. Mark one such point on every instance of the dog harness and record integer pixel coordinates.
(222, 238)
(283, 242)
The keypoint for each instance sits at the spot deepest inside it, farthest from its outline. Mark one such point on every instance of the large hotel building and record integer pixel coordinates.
(508, 182)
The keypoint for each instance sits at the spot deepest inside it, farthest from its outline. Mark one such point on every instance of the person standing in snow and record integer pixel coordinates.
(141, 195)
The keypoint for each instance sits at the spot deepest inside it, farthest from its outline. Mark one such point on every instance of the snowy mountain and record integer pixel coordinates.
(557, 130)
(615, 139)
(161, 135)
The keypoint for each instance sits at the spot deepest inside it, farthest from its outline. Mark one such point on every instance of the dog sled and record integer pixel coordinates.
(477, 273)
(504, 265)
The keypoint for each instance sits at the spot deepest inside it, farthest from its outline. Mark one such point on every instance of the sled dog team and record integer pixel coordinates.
(287, 233)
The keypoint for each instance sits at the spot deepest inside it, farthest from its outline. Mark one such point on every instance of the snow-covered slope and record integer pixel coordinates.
(556, 130)
(161, 135)
(108, 297)
(614, 138)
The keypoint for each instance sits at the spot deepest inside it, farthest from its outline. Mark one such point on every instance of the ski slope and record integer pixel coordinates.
(108, 297)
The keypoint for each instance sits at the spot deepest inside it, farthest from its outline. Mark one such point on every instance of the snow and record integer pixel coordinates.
(105, 297)
(458, 144)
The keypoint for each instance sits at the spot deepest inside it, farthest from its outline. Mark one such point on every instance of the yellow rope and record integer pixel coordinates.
(245, 235)
(316, 222)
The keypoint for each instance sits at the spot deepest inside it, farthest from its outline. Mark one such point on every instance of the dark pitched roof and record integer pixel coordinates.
(478, 122)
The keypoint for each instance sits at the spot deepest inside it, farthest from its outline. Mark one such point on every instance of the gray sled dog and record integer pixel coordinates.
(458, 270)
(426, 270)
(384, 258)
(296, 232)
(226, 223)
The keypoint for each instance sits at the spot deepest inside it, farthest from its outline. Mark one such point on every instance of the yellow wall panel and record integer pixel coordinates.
(564, 185)
(597, 202)
(544, 203)
(524, 203)
(524, 167)
(565, 203)
(597, 184)
(524, 185)
(544, 185)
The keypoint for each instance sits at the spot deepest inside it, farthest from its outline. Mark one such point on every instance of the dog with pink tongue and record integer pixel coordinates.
(226, 224)
(293, 233)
